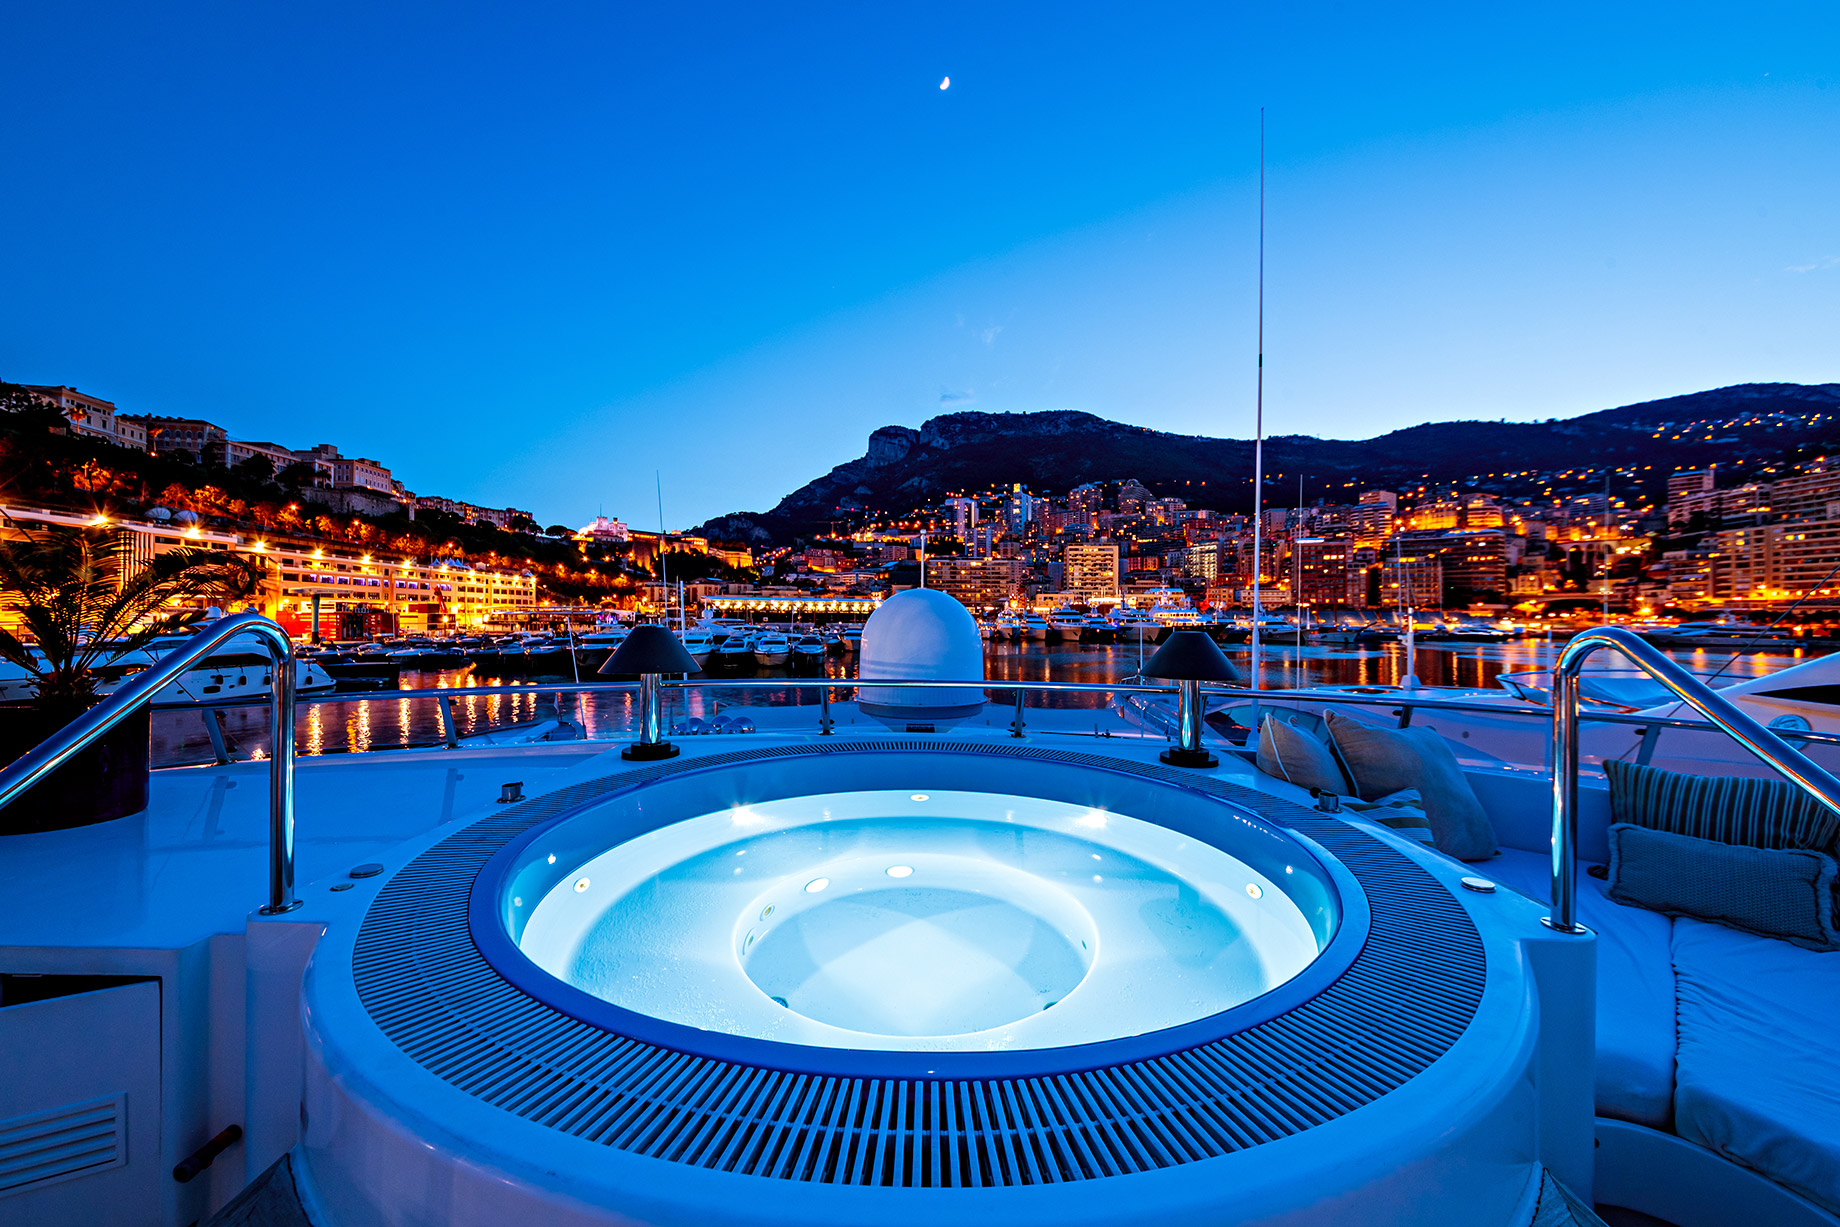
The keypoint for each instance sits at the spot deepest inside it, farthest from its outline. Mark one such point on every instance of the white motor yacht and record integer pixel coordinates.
(233, 672)
(1004, 968)
(1031, 625)
(1628, 715)
(772, 648)
(699, 642)
(1067, 622)
(1132, 625)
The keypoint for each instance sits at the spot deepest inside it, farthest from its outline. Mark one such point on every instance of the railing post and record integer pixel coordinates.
(214, 729)
(1015, 725)
(281, 774)
(824, 711)
(450, 730)
(1564, 916)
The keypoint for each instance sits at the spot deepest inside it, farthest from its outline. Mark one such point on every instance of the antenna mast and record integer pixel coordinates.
(1258, 424)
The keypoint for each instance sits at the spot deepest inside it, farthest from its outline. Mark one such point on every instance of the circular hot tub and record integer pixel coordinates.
(737, 913)
(902, 981)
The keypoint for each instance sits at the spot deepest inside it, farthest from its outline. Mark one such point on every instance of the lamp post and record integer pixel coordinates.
(1190, 657)
(651, 652)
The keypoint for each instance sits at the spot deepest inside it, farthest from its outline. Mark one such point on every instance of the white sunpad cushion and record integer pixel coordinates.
(1759, 1078)
(1635, 990)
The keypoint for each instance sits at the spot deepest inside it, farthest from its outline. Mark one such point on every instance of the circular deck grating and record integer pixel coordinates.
(1403, 1002)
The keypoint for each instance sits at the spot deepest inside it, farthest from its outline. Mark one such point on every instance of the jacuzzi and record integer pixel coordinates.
(890, 982)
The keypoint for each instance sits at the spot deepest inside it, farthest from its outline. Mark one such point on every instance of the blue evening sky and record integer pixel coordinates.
(529, 254)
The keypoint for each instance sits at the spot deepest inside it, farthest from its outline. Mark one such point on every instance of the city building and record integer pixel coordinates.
(1092, 570)
(1373, 518)
(349, 471)
(980, 584)
(192, 436)
(964, 512)
(1018, 510)
(94, 417)
(603, 529)
(1319, 570)
(234, 452)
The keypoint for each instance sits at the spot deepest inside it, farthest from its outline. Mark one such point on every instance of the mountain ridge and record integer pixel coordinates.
(1052, 450)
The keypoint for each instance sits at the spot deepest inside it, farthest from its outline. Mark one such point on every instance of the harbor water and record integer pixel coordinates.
(393, 719)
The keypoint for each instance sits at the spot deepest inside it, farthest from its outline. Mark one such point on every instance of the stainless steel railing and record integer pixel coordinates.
(1405, 702)
(57, 749)
(1778, 754)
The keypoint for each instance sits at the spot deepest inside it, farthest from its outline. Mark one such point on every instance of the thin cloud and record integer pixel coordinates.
(1817, 266)
(990, 336)
(955, 400)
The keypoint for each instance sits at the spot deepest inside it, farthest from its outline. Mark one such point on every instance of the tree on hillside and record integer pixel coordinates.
(255, 468)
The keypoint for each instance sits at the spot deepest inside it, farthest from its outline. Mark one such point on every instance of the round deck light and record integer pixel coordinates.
(816, 884)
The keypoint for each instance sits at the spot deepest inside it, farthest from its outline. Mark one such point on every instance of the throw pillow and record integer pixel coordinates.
(1757, 813)
(1292, 755)
(1383, 761)
(1773, 892)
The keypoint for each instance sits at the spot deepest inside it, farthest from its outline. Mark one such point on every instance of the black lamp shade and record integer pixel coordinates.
(650, 649)
(1191, 656)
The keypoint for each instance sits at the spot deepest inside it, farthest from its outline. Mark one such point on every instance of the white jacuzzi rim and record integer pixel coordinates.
(517, 867)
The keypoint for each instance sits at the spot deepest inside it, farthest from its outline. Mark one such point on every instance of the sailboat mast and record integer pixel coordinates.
(1258, 423)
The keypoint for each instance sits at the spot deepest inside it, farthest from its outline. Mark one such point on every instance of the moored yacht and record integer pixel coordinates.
(808, 654)
(1133, 625)
(772, 648)
(699, 641)
(734, 653)
(1068, 623)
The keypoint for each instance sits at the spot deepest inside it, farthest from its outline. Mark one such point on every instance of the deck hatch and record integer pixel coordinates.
(1405, 1000)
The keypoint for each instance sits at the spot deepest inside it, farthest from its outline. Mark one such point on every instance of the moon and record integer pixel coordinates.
(945, 83)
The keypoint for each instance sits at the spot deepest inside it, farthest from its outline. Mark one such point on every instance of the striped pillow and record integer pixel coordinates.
(1754, 813)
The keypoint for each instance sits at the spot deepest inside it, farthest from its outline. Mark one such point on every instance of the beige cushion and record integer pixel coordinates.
(1385, 761)
(1296, 757)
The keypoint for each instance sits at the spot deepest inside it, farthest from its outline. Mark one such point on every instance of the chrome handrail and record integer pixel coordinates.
(1778, 754)
(1534, 711)
(57, 749)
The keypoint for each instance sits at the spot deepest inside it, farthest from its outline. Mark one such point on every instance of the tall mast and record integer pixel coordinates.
(1258, 423)
(664, 580)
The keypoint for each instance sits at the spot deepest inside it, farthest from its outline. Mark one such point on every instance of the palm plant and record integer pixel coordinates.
(83, 598)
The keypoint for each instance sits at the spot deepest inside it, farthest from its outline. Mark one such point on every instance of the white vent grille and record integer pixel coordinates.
(75, 1139)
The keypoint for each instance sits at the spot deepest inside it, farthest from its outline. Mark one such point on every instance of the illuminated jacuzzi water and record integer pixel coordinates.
(946, 920)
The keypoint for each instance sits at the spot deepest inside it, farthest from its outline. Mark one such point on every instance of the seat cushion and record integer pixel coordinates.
(1759, 1072)
(1772, 892)
(1635, 991)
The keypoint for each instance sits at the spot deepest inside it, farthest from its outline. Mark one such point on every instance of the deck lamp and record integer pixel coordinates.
(1190, 657)
(650, 651)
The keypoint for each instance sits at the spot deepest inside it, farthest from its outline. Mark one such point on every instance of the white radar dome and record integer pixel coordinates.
(921, 635)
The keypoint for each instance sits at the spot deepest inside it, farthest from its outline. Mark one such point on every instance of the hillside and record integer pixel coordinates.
(1744, 429)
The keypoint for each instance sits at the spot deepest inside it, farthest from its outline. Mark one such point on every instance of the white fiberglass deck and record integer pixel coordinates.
(946, 920)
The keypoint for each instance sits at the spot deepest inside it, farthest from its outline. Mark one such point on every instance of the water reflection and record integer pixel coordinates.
(384, 720)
